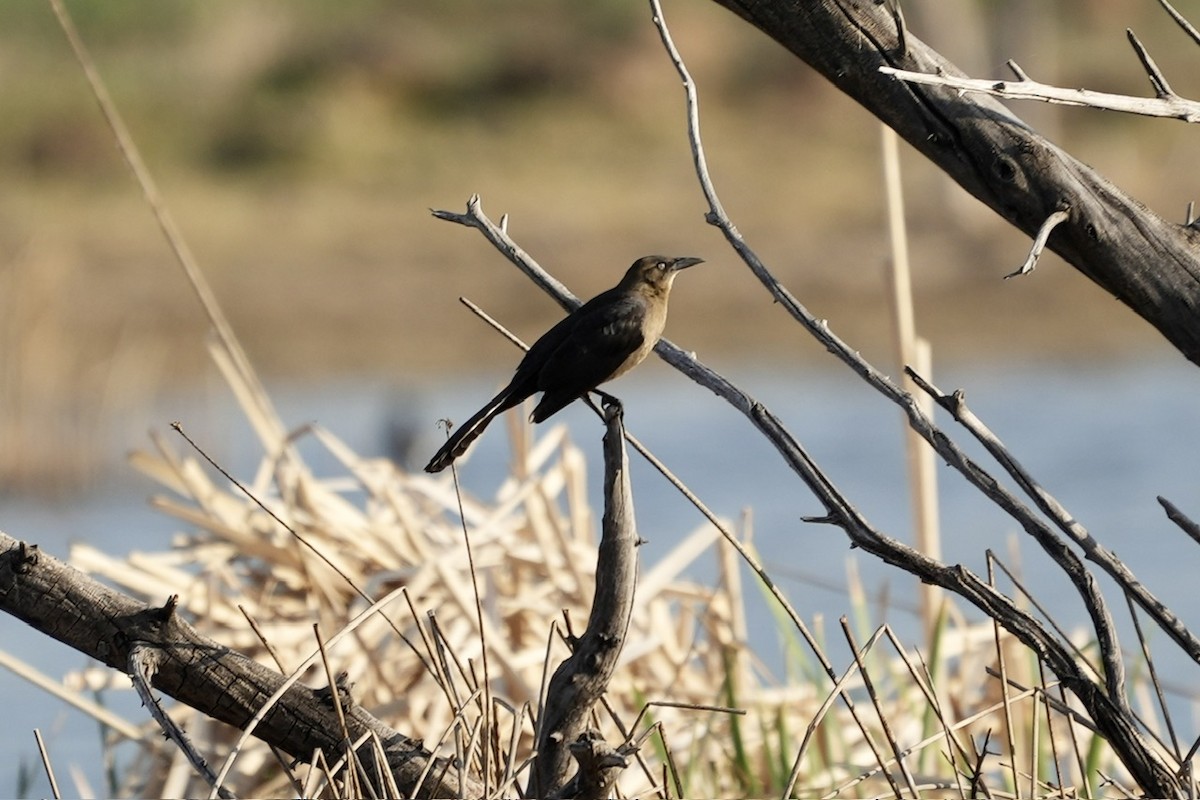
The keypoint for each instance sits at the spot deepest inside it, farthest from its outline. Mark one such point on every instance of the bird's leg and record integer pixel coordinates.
(607, 400)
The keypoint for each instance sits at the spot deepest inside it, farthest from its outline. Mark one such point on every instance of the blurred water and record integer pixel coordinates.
(1104, 440)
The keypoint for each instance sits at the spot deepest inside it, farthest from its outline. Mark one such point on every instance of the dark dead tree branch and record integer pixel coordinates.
(581, 680)
(1149, 264)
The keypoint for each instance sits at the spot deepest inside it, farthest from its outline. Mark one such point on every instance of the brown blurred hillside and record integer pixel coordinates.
(301, 143)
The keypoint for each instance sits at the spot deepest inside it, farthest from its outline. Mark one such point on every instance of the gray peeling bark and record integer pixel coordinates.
(1149, 264)
(96, 620)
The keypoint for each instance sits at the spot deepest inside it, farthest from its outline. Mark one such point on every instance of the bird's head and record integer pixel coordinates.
(656, 273)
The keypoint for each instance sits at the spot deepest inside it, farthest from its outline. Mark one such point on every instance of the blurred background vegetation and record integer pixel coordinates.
(300, 144)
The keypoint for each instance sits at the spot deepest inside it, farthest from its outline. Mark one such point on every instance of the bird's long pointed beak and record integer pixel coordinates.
(684, 263)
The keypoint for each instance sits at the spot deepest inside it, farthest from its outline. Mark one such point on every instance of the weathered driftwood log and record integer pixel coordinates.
(105, 624)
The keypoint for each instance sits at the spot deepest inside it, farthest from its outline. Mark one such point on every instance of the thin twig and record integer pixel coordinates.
(1020, 589)
(924, 681)
(1039, 242)
(1002, 661)
(838, 691)
(270, 648)
(335, 698)
(1158, 80)
(1055, 756)
(1181, 21)
(485, 699)
(869, 684)
(178, 428)
(1144, 644)
(142, 666)
(1076, 745)
(1033, 691)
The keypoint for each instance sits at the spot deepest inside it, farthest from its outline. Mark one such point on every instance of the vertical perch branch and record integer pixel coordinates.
(583, 677)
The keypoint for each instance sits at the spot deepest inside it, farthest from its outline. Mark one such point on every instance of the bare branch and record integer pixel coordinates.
(1092, 550)
(838, 508)
(1109, 711)
(1158, 80)
(143, 663)
(1147, 262)
(1172, 106)
(583, 677)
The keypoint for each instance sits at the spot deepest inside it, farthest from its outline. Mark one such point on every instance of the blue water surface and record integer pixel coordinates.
(1104, 439)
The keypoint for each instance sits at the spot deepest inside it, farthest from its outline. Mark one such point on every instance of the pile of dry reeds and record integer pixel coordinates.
(250, 583)
(253, 584)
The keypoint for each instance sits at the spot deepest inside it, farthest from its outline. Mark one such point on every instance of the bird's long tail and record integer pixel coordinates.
(469, 431)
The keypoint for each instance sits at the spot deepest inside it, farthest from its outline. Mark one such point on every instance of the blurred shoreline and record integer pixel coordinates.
(300, 147)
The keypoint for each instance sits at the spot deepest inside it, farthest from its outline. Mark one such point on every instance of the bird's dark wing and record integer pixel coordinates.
(601, 337)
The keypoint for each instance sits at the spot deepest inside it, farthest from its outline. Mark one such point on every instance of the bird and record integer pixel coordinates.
(601, 340)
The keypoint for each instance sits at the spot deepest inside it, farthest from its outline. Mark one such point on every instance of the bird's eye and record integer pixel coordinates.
(661, 265)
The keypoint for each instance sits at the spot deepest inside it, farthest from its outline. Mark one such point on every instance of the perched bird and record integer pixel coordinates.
(602, 339)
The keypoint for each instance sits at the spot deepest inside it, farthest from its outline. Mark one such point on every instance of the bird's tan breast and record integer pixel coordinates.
(653, 325)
